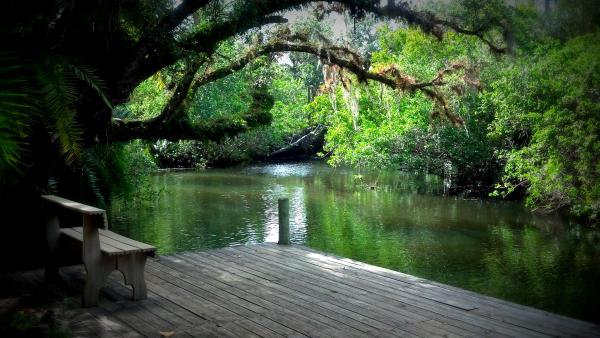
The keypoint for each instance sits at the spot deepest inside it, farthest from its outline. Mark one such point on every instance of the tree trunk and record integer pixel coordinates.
(305, 145)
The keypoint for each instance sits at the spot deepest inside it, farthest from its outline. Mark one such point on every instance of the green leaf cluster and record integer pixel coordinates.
(394, 129)
(547, 117)
(41, 90)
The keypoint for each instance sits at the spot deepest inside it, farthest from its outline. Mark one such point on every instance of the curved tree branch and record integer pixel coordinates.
(159, 49)
(179, 13)
(477, 32)
(162, 126)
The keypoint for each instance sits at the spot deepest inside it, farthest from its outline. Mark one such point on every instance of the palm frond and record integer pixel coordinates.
(11, 146)
(88, 75)
(93, 182)
(69, 137)
(60, 93)
(48, 88)
(16, 112)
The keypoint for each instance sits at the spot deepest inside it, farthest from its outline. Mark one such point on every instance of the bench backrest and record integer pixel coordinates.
(93, 218)
(87, 211)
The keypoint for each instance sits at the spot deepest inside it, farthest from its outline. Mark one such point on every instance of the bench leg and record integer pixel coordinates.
(95, 277)
(52, 239)
(132, 267)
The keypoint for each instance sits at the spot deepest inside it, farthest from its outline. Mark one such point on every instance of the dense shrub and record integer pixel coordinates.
(547, 116)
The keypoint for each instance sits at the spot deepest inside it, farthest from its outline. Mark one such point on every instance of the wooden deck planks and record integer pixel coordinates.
(270, 305)
(300, 290)
(286, 271)
(302, 297)
(484, 305)
(421, 297)
(384, 314)
(510, 310)
(276, 291)
(284, 301)
(420, 309)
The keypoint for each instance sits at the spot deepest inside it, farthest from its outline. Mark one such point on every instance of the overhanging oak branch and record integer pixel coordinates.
(168, 125)
(161, 48)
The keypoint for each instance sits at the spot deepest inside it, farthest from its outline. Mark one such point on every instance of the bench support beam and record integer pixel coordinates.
(132, 267)
(52, 239)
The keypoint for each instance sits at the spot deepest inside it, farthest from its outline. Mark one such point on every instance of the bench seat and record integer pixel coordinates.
(111, 243)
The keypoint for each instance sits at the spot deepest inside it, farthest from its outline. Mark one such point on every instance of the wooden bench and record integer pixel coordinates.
(102, 250)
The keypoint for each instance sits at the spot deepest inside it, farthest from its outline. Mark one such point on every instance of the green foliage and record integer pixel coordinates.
(27, 323)
(16, 112)
(148, 99)
(246, 147)
(537, 120)
(118, 170)
(290, 90)
(421, 56)
(393, 129)
(228, 96)
(45, 89)
(262, 92)
(180, 154)
(547, 116)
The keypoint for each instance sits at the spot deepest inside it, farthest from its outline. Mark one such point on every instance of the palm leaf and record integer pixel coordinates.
(48, 88)
(93, 181)
(88, 75)
(60, 93)
(16, 111)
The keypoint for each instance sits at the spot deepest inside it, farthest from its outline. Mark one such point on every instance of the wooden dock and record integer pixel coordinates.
(268, 290)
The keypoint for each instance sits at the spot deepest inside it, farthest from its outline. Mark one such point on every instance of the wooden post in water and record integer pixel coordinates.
(284, 221)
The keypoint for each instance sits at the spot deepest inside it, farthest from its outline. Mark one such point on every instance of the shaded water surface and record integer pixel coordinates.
(390, 219)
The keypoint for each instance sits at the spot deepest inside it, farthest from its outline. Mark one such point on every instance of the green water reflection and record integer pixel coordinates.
(390, 219)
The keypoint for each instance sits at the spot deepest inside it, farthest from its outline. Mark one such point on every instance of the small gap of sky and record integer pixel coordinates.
(339, 23)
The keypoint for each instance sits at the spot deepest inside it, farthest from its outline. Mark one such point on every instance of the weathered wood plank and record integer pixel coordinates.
(128, 312)
(108, 243)
(305, 293)
(389, 313)
(78, 235)
(252, 281)
(380, 311)
(280, 300)
(287, 291)
(128, 241)
(72, 205)
(197, 302)
(276, 304)
(117, 293)
(330, 305)
(265, 322)
(485, 305)
(104, 323)
(386, 296)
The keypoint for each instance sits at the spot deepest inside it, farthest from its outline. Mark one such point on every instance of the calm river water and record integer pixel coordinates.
(390, 219)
